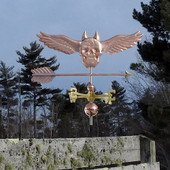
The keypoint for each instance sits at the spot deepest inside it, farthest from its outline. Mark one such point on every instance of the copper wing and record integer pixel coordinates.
(61, 43)
(120, 43)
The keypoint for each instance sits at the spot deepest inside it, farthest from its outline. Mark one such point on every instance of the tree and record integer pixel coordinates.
(113, 119)
(155, 113)
(110, 120)
(73, 121)
(120, 108)
(157, 50)
(53, 102)
(33, 91)
(156, 53)
(155, 64)
(165, 12)
(8, 93)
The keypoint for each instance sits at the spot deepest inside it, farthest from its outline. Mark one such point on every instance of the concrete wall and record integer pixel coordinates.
(69, 153)
(144, 166)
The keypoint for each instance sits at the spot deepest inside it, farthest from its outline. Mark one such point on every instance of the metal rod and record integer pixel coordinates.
(81, 74)
(91, 126)
(91, 120)
(91, 75)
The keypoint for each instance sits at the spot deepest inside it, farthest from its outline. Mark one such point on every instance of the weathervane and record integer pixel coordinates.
(90, 49)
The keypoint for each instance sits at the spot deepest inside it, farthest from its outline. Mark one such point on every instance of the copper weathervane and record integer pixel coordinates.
(90, 49)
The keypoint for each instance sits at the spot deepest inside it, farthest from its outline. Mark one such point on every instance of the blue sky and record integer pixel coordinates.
(21, 20)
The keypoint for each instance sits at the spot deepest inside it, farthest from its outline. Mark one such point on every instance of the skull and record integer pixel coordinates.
(90, 50)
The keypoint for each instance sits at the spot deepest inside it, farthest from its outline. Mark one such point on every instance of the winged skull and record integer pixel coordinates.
(90, 48)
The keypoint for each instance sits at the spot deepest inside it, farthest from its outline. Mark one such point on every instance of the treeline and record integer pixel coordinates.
(30, 111)
(152, 85)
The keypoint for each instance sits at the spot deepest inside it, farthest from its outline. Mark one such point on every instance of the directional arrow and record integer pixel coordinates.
(45, 74)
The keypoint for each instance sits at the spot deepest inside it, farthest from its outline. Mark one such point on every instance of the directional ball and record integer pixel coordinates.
(91, 109)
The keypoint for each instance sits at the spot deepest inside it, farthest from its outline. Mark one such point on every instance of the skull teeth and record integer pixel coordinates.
(90, 58)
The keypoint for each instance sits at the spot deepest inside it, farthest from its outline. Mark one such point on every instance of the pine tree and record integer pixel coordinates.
(165, 12)
(114, 118)
(157, 50)
(155, 63)
(32, 91)
(73, 121)
(8, 92)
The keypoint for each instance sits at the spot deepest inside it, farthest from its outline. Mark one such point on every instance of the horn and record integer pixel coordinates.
(96, 36)
(84, 36)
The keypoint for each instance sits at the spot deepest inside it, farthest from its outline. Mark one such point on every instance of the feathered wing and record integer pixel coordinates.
(61, 43)
(120, 43)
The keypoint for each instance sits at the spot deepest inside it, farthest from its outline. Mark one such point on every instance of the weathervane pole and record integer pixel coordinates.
(91, 117)
(91, 75)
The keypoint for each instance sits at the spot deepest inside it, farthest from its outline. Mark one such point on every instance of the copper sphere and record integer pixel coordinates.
(90, 87)
(91, 109)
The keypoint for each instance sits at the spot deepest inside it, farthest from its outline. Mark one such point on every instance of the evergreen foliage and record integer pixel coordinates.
(33, 92)
(154, 104)
(8, 97)
(155, 51)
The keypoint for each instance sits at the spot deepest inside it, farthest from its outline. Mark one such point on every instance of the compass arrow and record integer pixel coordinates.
(45, 74)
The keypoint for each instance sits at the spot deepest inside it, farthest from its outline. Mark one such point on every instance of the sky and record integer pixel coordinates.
(21, 20)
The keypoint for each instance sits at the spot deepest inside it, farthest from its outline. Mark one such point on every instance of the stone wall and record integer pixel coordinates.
(143, 166)
(70, 153)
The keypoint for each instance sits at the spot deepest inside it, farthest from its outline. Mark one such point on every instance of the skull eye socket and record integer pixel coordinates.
(85, 50)
(97, 50)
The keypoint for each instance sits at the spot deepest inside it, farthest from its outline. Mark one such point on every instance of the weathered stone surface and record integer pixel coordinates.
(69, 153)
(144, 166)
